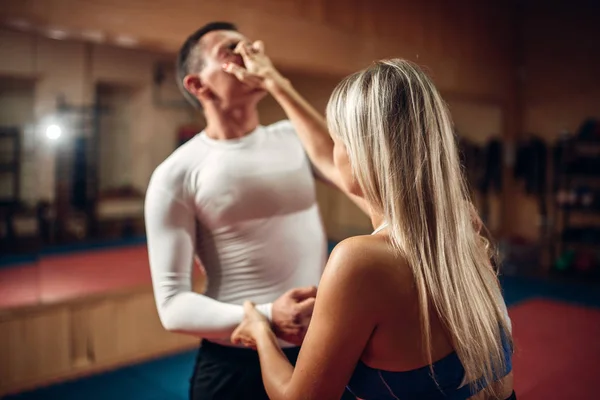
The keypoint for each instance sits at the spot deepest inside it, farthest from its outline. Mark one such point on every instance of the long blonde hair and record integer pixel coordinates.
(403, 152)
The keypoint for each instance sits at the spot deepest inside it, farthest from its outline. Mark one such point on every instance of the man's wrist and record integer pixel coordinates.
(266, 310)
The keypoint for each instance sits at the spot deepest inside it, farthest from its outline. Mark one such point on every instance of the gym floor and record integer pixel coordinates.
(556, 326)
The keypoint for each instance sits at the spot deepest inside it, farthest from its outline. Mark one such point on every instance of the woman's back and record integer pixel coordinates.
(395, 358)
(395, 147)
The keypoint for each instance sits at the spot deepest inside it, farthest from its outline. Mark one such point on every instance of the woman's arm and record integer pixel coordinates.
(344, 318)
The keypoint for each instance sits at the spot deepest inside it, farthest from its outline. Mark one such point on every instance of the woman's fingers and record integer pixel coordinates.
(242, 74)
(258, 46)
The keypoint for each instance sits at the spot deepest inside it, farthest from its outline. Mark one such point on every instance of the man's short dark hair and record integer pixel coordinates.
(190, 60)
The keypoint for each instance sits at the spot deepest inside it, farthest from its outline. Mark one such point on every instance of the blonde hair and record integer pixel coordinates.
(404, 156)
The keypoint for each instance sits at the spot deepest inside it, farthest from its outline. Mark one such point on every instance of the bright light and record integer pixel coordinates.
(126, 41)
(53, 132)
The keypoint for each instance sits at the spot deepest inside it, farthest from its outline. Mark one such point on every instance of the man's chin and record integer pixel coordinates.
(249, 95)
(260, 91)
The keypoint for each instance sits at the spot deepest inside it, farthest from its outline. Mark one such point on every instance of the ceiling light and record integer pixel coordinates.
(126, 41)
(58, 34)
(53, 132)
(19, 24)
(94, 36)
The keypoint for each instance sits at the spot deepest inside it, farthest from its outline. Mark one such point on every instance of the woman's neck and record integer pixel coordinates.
(377, 219)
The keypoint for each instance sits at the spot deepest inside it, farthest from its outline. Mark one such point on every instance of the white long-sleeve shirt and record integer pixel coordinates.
(247, 207)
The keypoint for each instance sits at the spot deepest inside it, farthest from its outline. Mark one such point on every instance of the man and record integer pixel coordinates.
(242, 197)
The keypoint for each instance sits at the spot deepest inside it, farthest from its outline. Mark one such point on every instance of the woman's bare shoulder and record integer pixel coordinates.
(368, 258)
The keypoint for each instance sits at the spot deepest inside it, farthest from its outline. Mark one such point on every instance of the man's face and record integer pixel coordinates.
(217, 49)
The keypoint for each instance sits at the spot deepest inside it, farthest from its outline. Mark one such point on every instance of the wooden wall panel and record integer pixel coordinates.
(73, 69)
(99, 332)
(19, 48)
(562, 59)
(34, 346)
(139, 329)
(560, 81)
(81, 353)
(467, 45)
(133, 69)
(480, 122)
(466, 42)
(52, 343)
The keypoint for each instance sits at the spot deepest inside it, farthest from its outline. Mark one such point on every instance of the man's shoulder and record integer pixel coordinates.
(285, 132)
(283, 126)
(173, 171)
(167, 177)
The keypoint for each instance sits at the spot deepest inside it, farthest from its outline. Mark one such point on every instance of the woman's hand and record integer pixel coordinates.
(250, 327)
(259, 71)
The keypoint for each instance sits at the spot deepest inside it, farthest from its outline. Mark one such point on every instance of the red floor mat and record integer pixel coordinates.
(19, 286)
(557, 351)
(62, 277)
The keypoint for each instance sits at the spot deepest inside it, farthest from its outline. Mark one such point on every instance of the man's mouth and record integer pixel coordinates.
(239, 61)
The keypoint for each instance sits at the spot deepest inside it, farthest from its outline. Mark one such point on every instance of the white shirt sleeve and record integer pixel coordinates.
(171, 237)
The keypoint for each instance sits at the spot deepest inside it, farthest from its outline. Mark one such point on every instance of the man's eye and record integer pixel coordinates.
(232, 46)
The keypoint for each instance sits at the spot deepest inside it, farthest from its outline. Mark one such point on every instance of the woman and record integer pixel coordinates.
(414, 310)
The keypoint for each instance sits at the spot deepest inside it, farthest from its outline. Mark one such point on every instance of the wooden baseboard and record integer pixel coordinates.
(63, 341)
(108, 365)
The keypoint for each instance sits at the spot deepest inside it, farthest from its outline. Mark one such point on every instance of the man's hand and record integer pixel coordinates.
(291, 314)
(259, 71)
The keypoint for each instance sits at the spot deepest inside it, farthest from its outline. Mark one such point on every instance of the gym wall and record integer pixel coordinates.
(466, 47)
(560, 80)
(480, 122)
(467, 43)
(115, 128)
(76, 69)
(16, 109)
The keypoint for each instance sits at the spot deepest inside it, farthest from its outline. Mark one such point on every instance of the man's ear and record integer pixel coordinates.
(194, 85)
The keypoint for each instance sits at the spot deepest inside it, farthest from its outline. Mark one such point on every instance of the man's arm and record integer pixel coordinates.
(170, 230)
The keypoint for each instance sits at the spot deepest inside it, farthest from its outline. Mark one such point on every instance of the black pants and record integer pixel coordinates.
(228, 373)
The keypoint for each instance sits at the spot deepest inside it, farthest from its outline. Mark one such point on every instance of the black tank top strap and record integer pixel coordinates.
(513, 396)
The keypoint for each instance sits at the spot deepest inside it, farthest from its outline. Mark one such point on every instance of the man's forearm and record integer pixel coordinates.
(195, 314)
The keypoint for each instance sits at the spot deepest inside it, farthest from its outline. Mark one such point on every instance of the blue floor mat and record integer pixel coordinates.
(120, 384)
(171, 374)
(517, 289)
(168, 378)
